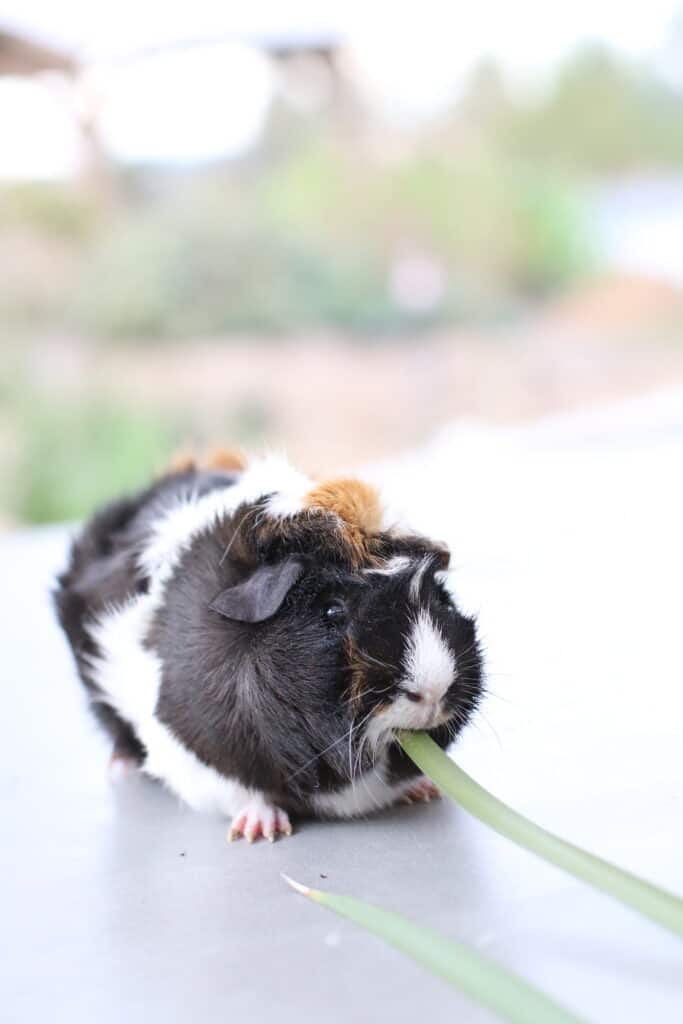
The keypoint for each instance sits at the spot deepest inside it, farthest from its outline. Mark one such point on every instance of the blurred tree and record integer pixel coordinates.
(604, 115)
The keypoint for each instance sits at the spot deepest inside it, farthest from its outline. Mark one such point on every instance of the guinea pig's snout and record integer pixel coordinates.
(430, 667)
(427, 697)
(428, 708)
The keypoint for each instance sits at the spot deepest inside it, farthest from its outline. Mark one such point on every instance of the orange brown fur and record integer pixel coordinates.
(358, 507)
(224, 458)
(182, 462)
(359, 684)
(357, 670)
(229, 459)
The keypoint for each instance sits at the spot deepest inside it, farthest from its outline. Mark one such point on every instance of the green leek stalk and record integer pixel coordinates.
(478, 977)
(659, 905)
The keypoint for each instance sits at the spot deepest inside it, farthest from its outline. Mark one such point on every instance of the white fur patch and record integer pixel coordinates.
(369, 792)
(180, 525)
(397, 564)
(129, 676)
(418, 576)
(289, 502)
(429, 662)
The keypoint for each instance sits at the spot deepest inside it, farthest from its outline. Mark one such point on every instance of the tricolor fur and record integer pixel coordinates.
(252, 636)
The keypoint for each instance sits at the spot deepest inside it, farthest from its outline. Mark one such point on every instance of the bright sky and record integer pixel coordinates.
(195, 104)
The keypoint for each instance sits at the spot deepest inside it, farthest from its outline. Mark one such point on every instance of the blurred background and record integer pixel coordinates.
(330, 228)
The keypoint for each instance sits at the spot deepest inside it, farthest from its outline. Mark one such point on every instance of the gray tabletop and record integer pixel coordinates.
(120, 905)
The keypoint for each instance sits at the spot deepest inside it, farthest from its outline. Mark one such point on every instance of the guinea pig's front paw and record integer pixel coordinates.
(423, 790)
(259, 818)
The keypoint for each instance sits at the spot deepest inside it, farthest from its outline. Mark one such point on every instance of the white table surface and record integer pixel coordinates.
(118, 905)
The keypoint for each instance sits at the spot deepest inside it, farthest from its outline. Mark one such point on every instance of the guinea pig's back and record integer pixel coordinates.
(104, 572)
(103, 568)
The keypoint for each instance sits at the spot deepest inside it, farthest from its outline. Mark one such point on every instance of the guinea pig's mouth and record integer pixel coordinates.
(428, 721)
(411, 715)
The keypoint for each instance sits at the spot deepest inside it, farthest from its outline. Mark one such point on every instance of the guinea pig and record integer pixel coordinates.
(255, 639)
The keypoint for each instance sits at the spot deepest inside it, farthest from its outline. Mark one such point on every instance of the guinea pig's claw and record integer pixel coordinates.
(260, 819)
(121, 767)
(422, 791)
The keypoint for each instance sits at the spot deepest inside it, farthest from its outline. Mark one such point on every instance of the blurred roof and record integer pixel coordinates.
(128, 29)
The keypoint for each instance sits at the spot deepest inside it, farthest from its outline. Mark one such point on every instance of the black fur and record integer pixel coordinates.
(103, 571)
(278, 702)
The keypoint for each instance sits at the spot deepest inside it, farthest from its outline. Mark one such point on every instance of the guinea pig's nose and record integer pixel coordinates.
(411, 695)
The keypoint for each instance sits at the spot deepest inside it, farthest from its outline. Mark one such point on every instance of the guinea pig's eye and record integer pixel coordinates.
(335, 613)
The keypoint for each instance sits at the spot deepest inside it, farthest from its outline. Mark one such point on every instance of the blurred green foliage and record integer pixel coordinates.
(117, 448)
(308, 232)
(603, 116)
(72, 453)
(481, 216)
(313, 244)
(161, 276)
(60, 211)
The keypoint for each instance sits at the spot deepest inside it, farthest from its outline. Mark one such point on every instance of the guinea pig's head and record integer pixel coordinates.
(414, 657)
(345, 649)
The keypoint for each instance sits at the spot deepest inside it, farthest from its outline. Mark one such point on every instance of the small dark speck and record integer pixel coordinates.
(182, 854)
(323, 876)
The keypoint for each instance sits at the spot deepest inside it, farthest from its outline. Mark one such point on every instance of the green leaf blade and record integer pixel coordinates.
(664, 908)
(476, 976)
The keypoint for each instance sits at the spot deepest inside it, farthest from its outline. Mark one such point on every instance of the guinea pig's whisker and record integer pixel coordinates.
(371, 795)
(373, 745)
(485, 690)
(497, 696)
(470, 671)
(362, 775)
(385, 689)
(356, 764)
(470, 686)
(353, 728)
(452, 728)
(351, 757)
(365, 656)
(352, 700)
(471, 652)
(465, 679)
(342, 739)
(480, 714)
(358, 761)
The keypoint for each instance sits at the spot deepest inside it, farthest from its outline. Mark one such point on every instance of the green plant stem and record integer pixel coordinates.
(478, 977)
(663, 907)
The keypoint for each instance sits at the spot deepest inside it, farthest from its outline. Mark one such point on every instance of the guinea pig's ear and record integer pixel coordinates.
(421, 547)
(260, 595)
